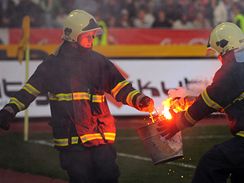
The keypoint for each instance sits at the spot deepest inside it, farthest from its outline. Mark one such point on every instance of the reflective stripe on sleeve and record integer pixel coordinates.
(240, 133)
(31, 89)
(19, 104)
(211, 103)
(130, 97)
(118, 87)
(189, 118)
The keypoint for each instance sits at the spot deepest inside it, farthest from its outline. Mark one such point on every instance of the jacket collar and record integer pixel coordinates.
(228, 57)
(72, 49)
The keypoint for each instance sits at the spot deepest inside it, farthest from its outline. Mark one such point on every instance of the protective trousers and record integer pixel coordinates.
(91, 165)
(221, 162)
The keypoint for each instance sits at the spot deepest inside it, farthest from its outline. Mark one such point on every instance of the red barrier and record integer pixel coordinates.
(159, 36)
(123, 36)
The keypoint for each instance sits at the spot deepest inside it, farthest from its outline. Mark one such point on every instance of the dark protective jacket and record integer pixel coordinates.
(76, 80)
(225, 94)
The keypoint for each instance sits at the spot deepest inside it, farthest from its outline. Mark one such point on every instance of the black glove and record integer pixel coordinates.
(146, 104)
(5, 118)
(170, 127)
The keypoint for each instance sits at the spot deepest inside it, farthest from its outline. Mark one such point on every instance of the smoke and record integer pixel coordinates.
(191, 90)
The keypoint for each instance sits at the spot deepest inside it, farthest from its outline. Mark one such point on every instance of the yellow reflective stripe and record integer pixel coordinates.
(130, 97)
(61, 142)
(31, 89)
(240, 133)
(89, 137)
(60, 96)
(210, 102)
(109, 136)
(98, 98)
(74, 140)
(81, 96)
(76, 96)
(239, 98)
(118, 87)
(189, 118)
(85, 138)
(65, 141)
(19, 104)
(64, 96)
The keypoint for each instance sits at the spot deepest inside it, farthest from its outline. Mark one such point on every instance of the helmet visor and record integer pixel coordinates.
(93, 26)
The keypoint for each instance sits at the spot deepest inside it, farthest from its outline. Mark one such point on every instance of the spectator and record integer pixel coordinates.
(172, 10)
(238, 15)
(130, 6)
(90, 6)
(7, 13)
(125, 13)
(112, 21)
(111, 8)
(150, 5)
(221, 12)
(190, 9)
(201, 22)
(182, 23)
(143, 19)
(61, 15)
(51, 9)
(67, 6)
(185, 6)
(161, 20)
(124, 20)
(105, 38)
(207, 8)
(27, 7)
(101, 40)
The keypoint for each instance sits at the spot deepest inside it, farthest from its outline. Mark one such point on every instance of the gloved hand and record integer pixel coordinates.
(5, 118)
(169, 128)
(146, 104)
(183, 103)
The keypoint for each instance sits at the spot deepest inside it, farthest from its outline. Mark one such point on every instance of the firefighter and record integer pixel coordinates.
(225, 94)
(76, 79)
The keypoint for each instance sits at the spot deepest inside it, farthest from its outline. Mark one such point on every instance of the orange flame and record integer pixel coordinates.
(167, 105)
(177, 105)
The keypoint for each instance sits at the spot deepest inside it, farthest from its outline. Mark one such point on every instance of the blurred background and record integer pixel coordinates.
(157, 44)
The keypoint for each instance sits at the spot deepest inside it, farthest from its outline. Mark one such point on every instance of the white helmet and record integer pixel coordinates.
(225, 37)
(78, 22)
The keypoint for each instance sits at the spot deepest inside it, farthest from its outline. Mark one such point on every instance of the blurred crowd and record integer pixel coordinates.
(173, 14)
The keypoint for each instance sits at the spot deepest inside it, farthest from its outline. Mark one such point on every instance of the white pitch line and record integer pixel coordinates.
(43, 142)
(148, 159)
(185, 137)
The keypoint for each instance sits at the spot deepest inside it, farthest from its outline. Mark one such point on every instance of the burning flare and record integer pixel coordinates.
(176, 104)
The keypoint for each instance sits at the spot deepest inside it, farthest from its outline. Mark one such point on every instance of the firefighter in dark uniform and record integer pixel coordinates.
(225, 94)
(76, 79)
